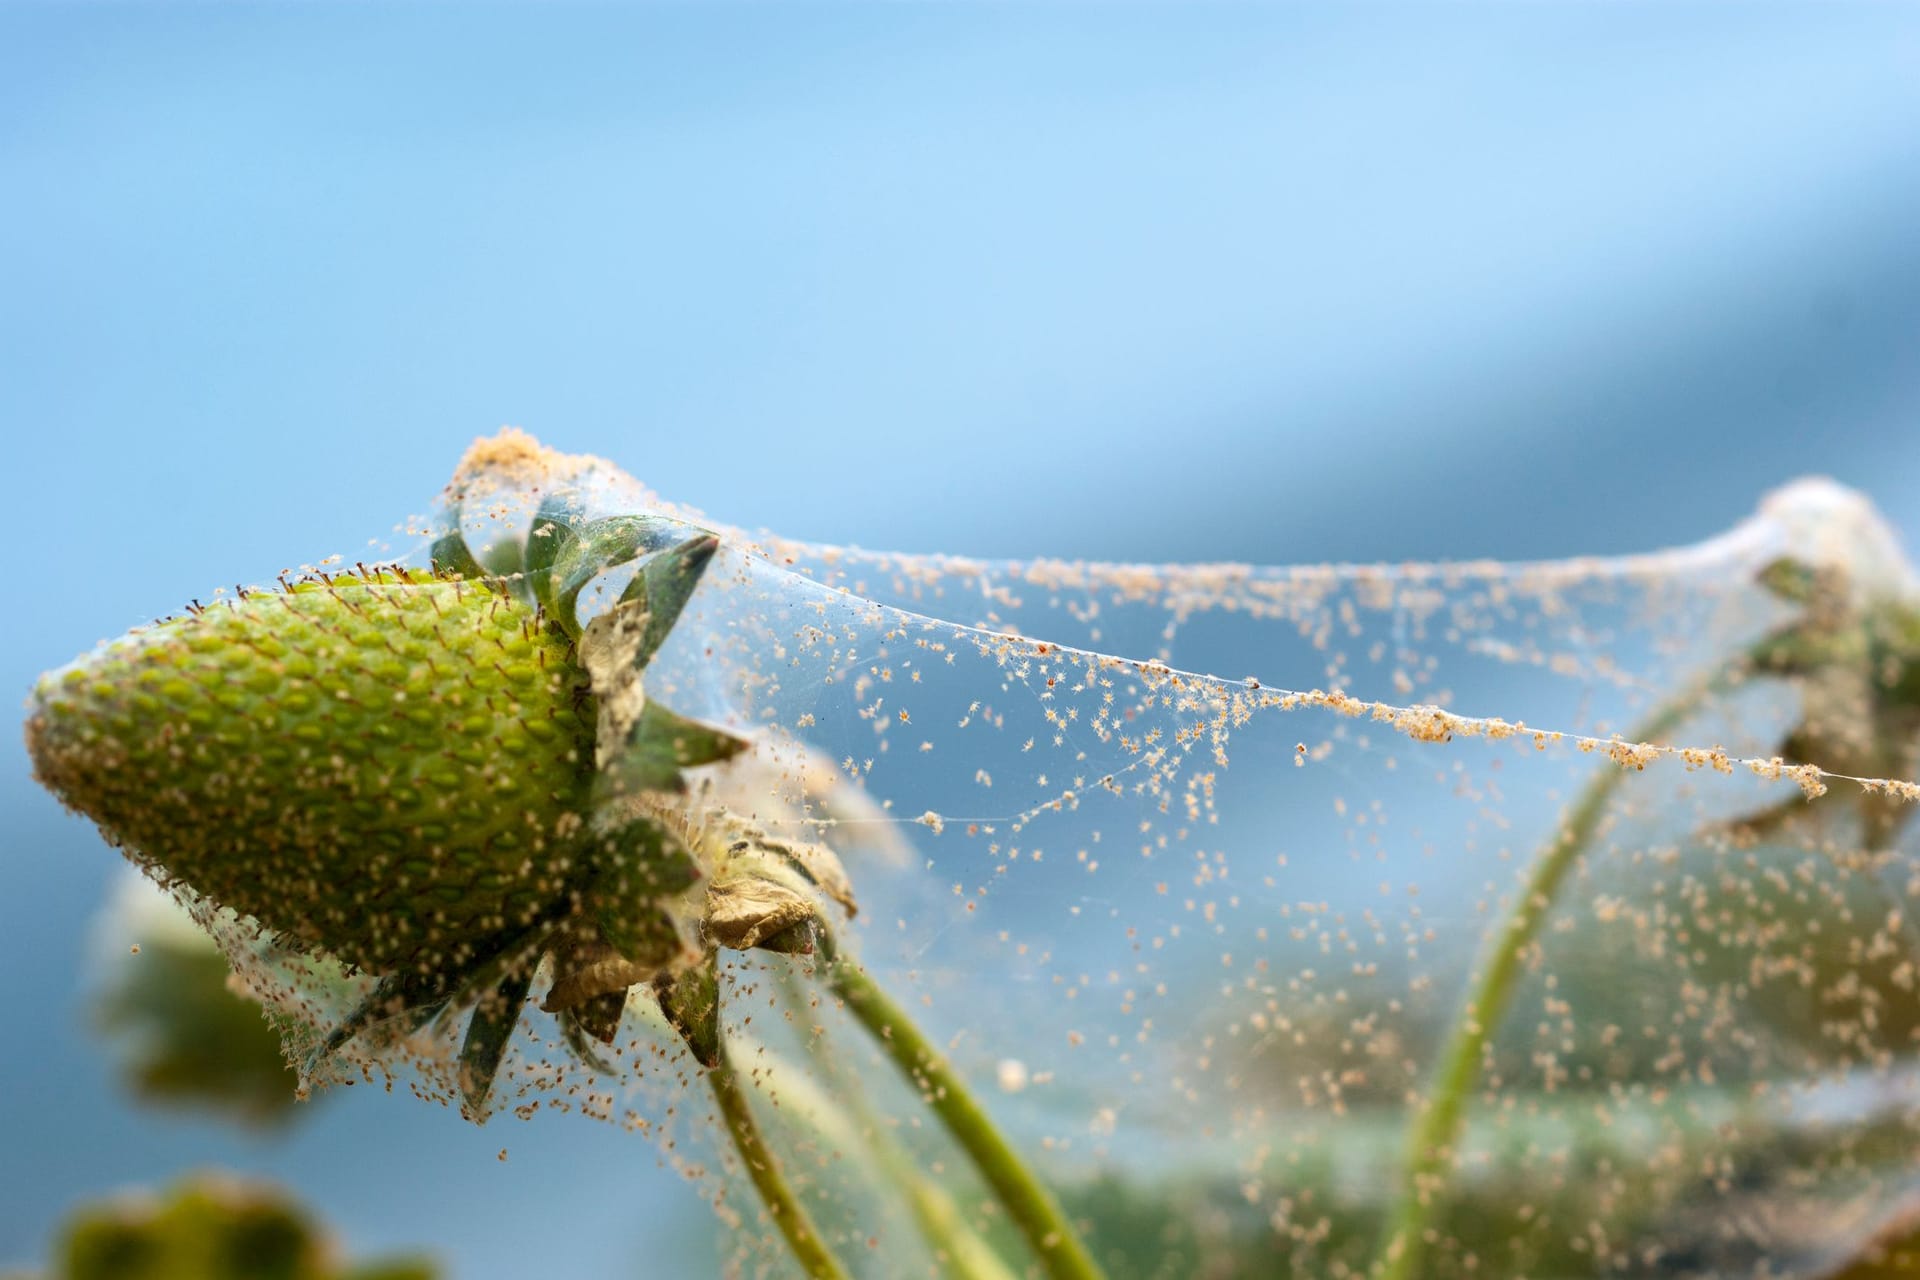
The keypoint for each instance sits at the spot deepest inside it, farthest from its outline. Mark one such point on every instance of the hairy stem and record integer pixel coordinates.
(1028, 1202)
(1433, 1133)
(775, 1194)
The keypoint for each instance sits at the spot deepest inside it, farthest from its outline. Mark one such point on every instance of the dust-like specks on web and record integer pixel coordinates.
(1204, 938)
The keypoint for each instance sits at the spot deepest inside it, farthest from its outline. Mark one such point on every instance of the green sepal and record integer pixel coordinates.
(691, 1002)
(640, 863)
(580, 1039)
(1797, 649)
(551, 536)
(1897, 623)
(506, 560)
(494, 1018)
(399, 1004)
(663, 742)
(600, 1016)
(451, 554)
(600, 546)
(664, 585)
(1897, 656)
(648, 937)
(1791, 580)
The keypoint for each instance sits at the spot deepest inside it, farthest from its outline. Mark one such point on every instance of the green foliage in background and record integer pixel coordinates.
(210, 1228)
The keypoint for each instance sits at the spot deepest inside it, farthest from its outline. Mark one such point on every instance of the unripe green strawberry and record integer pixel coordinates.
(389, 766)
(449, 780)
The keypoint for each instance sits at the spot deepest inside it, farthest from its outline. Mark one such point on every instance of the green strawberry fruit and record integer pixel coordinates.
(380, 765)
(432, 776)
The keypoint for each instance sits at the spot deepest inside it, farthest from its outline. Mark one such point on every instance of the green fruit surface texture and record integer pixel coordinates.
(391, 767)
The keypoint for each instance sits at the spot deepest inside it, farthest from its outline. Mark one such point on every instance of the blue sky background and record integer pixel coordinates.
(1271, 284)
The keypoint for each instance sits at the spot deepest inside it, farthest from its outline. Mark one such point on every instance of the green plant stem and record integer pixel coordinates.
(956, 1247)
(1028, 1202)
(963, 1255)
(775, 1194)
(1433, 1133)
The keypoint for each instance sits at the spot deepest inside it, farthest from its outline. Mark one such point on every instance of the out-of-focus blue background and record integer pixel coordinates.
(1262, 284)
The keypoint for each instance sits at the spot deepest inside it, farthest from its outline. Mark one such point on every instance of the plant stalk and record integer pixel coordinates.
(781, 1204)
(962, 1253)
(1433, 1134)
(1028, 1202)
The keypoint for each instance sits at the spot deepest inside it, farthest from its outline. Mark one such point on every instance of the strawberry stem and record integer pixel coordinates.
(775, 1193)
(1027, 1200)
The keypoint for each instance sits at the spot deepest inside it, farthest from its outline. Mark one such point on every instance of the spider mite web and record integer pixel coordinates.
(1191, 868)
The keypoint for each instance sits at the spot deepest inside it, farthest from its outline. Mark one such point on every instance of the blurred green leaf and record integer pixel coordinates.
(210, 1228)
